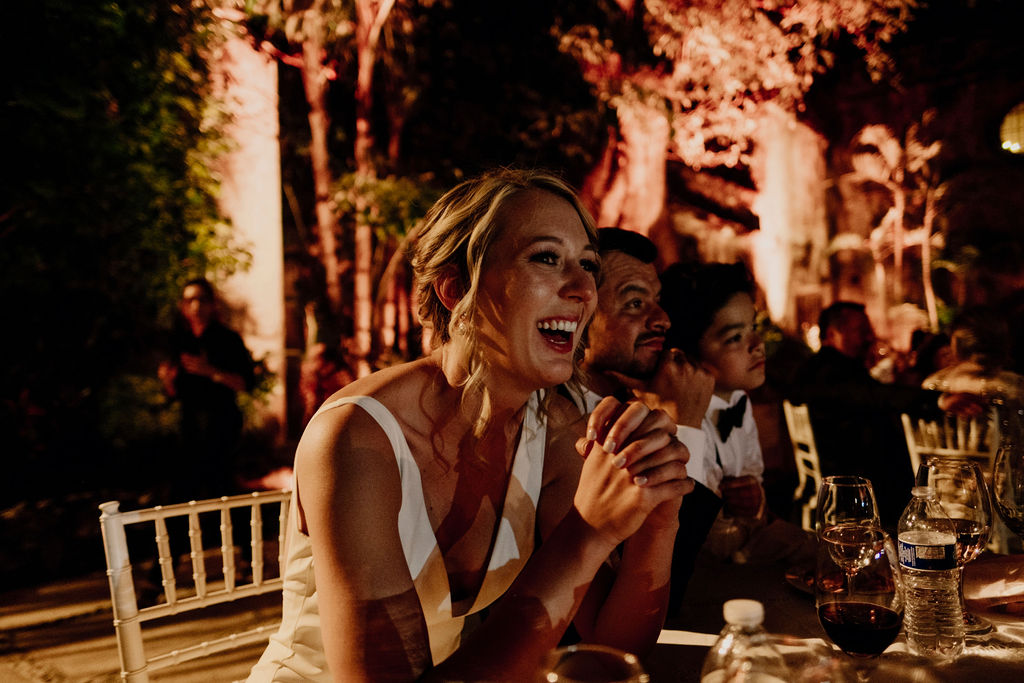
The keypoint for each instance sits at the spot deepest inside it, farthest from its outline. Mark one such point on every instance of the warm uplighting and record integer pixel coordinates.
(1012, 131)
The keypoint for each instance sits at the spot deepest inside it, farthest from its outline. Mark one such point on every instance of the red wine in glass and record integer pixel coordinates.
(860, 629)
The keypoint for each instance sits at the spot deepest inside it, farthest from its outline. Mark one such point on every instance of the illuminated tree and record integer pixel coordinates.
(904, 169)
(692, 84)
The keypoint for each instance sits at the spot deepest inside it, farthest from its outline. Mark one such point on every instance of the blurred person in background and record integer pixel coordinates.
(207, 366)
(981, 344)
(929, 352)
(855, 418)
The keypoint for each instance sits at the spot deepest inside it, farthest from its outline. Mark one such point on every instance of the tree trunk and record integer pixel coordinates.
(898, 236)
(389, 293)
(926, 260)
(402, 328)
(389, 314)
(370, 15)
(397, 113)
(788, 168)
(637, 197)
(314, 79)
(596, 185)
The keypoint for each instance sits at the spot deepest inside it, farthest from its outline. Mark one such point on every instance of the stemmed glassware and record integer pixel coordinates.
(585, 663)
(846, 499)
(961, 491)
(857, 587)
(846, 506)
(1008, 471)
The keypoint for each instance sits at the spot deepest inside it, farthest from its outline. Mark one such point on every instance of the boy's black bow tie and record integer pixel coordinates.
(730, 418)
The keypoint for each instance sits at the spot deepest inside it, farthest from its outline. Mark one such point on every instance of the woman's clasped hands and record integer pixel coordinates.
(634, 465)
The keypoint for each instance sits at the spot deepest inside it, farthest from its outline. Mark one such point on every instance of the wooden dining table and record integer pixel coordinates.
(993, 586)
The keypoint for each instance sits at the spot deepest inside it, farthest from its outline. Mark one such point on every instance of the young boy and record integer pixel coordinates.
(714, 322)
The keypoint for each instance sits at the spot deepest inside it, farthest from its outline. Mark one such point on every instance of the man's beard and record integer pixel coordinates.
(639, 369)
(641, 373)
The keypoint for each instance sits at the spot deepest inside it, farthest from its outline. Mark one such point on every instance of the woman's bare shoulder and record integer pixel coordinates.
(392, 387)
(390, 381)
(338, 438)
(339, 432)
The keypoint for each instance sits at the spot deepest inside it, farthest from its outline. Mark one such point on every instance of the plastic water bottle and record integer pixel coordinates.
(743, 652)
(933, 618)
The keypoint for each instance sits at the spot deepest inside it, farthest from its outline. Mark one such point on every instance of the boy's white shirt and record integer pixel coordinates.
(740, 455)
(693, 438)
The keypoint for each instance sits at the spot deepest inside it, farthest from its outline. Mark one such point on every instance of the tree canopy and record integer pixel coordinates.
(708, 64)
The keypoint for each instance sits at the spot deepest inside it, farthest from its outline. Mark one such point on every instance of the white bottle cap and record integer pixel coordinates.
(922, 491)
(743, 612)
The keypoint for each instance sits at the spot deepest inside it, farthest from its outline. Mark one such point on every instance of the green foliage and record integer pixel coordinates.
(134, 405)
(295, 20)
(107, 207)
(394, 204)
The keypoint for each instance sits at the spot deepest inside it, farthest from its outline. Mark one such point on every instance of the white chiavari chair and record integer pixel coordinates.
(805, 454)
(205, 588)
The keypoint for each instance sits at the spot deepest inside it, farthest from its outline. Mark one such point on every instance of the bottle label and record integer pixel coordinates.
(929, 557)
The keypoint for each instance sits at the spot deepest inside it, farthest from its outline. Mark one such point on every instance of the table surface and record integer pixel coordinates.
(995, 657)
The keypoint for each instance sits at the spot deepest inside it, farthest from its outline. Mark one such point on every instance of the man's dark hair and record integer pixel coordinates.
(833, 314)
(628, 242)
(692, 293)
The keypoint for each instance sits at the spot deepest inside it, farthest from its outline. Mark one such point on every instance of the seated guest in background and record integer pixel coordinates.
(714, 323)
(626, 357)
(981, 351)
(856, 419)
(432, 490)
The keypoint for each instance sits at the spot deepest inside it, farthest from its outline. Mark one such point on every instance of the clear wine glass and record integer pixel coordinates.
(846, 507)
(1008, 470)
(961, 491)
(585, 663)
(861, 611)
(846, 499)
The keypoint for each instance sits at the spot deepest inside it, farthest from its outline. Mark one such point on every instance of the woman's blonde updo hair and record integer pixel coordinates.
(458, 232)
